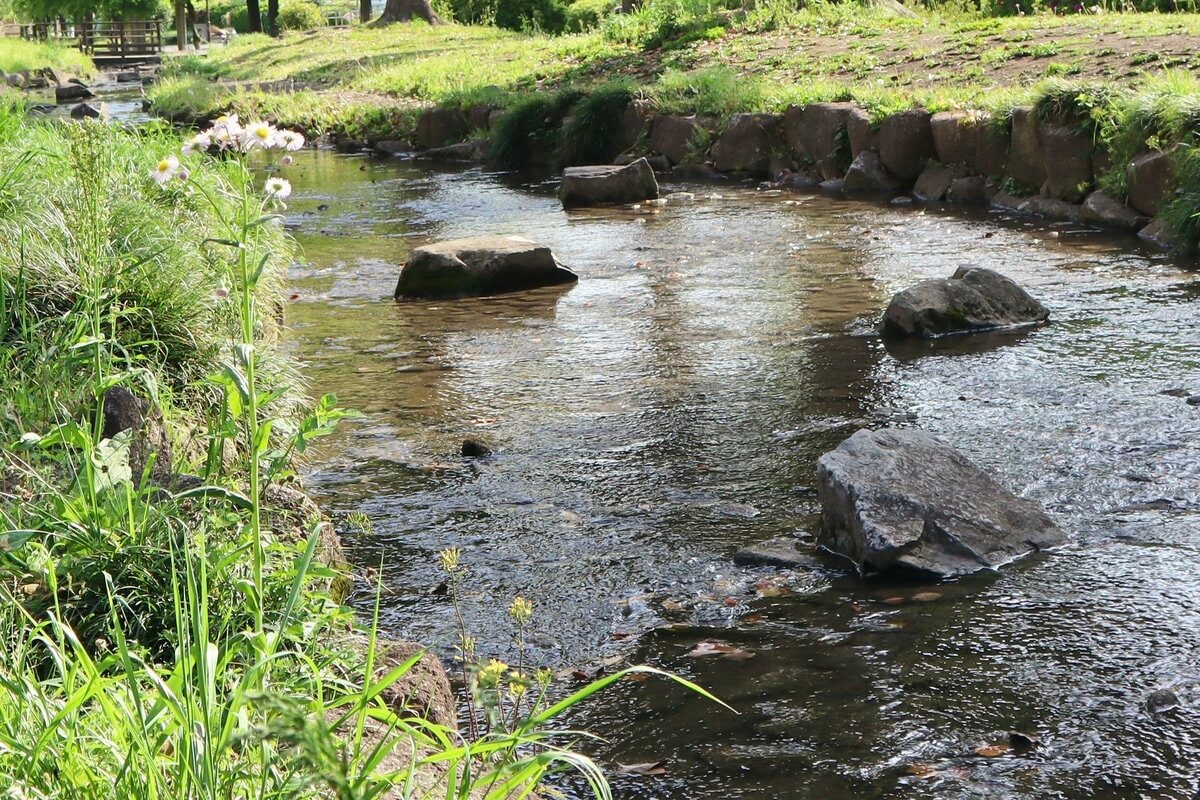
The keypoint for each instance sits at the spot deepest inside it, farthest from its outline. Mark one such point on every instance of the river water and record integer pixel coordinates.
(668, 411)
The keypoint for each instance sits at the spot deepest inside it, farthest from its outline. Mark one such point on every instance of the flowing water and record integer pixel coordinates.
(668, 411)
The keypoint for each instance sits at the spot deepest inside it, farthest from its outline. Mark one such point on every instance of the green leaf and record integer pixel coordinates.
(14, 540)
(235, 499)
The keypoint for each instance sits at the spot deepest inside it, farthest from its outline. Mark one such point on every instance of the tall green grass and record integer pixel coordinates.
(162, 638)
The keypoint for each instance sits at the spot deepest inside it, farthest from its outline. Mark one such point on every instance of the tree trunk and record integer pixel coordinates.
(406, 11)
(364, 11)
(181, 37)
(273, 17)
(255, 16)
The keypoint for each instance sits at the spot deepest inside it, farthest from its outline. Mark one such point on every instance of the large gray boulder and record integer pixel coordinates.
(72, 92)
(1025, 161)
(973, 299)
(902, 500)
(607, 185)
(817, 132)
(906, 143)
(1102, 210)
(868, 176)
(747, 144)
(438, 127)
(482, 265)
(1151, 176)
(673, 136)
(1067, 157)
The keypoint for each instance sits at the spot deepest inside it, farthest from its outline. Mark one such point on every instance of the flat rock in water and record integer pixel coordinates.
(973, 299)
(608, 185)
(782, 551)
(901, 499)
(482, 265)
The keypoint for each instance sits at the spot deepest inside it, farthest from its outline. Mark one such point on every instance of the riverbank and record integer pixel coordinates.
(172, 600)
(1035, 114)
(18, 55)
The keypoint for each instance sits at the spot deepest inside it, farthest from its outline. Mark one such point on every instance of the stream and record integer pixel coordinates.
(668, 411)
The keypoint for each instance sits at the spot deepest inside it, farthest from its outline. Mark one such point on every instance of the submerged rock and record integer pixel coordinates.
(473, 448)
(782, 551)
(481, 265)
(608, 185)
(901, 499)
(973, 299)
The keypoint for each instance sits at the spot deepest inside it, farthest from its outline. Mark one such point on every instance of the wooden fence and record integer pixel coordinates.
(105, 41)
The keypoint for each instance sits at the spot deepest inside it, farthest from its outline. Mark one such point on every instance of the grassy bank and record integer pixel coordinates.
(778, 56)
(1126, 79)
(169, 607)
(18, 54)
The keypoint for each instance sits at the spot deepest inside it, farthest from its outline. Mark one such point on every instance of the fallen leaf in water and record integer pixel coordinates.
(711, 647)
(895, 601)
(731, 601)
(672, 605)
(920, 770)
(618, 635)
(649, 768)
(771, 587)
(993, 750)
(753, 619)
(640, 264)
(637, 677)
(715, 647)
(927, 597)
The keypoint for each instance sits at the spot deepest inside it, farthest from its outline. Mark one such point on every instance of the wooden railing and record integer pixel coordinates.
(103, 40)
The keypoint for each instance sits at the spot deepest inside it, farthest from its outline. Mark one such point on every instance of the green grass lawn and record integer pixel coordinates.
(18, 54)
(820, 52)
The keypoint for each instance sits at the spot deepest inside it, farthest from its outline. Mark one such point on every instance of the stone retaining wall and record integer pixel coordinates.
(1028, 165)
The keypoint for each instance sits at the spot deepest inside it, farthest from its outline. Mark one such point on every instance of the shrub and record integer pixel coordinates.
(586, 15)
(545, 16)
(529, 132)
(590, 135)
(300, 15)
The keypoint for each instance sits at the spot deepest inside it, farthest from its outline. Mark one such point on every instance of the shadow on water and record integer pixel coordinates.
(668, 410)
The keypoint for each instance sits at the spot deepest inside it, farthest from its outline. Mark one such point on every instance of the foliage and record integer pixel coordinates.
(590, 134)
(586, 15)
(529, 132)
(78, 9)
(300, 15)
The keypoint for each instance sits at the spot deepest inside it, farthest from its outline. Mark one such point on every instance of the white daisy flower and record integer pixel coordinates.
(277, 189)
(165, 170)
(290, 140)
(198, 143)
(226, 132)
(258, 134)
